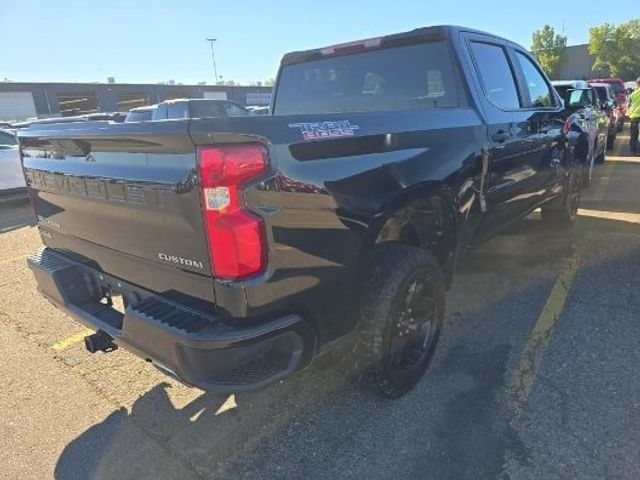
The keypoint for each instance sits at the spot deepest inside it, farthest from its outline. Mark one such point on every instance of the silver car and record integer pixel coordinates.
(11, 176)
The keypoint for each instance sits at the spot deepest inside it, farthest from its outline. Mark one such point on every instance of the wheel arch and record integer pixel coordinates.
(422, 216)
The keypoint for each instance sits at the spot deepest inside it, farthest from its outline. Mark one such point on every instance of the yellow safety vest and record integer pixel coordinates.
(634, 104)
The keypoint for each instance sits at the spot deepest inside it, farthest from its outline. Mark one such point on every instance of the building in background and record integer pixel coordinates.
(22, 101)
(576, 63)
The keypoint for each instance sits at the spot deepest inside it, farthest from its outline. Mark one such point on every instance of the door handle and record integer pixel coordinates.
(500, 136)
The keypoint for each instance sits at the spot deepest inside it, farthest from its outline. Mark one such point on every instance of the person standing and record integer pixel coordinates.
(634, 118)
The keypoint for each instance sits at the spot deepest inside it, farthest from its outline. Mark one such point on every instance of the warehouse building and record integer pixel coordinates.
(22, 101)
(576, 63)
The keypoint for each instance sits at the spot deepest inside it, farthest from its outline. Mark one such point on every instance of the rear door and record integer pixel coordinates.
(512, 134)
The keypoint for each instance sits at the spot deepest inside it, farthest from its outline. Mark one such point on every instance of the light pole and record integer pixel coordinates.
(213, 57)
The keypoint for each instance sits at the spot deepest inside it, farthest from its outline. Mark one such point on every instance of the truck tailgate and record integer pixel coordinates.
(124, 198)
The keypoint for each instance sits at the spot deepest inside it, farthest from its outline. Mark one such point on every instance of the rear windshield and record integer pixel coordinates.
(415, 77)
(204, 109)
(140, 116)
(602, 93)
(617, 88)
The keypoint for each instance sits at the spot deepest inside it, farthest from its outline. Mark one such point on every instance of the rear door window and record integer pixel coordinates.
(496, 75)
(415, 77)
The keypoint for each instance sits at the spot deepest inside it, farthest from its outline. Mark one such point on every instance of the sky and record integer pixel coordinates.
(150, 41)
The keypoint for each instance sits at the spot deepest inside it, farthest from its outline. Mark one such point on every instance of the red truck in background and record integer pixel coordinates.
(620, 92)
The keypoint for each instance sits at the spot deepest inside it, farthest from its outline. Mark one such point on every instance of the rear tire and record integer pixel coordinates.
(562, 213)
(611, 140)
(401, 314)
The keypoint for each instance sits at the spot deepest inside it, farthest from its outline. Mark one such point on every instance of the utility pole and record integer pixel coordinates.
(213, 57)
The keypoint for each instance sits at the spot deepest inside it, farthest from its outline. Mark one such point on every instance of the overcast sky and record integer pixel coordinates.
(152, 41)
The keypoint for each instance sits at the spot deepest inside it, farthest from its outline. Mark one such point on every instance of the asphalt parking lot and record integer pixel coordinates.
(536, 376)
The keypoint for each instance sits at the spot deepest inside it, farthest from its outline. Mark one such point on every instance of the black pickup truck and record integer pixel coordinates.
(243, 248)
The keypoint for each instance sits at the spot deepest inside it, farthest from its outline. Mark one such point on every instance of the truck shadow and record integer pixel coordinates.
(16, 214)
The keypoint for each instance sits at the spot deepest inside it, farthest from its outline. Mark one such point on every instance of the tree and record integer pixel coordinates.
(548, 46)
(269, 82)
(616, 49)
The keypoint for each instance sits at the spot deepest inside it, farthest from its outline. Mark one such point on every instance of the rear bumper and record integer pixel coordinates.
(194, 346)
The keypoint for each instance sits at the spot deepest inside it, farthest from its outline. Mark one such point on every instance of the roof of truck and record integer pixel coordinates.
(432, 33)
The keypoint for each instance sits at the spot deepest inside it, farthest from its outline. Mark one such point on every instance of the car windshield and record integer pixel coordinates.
(7, 138)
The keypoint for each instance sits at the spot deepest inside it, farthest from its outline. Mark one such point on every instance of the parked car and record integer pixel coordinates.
(111, 116)
(258, 110)
(187, 108)
(140, 114)
(244, 248)
(621, 98)
(585, 116)
(608, 104)
(12, 182)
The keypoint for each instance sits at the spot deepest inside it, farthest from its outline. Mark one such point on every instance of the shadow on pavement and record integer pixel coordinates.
(16, 214)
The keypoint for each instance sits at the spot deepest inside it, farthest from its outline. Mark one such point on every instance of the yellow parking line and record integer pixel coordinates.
(72, 340)
(622, 158)
(524, 374)
(603, 185)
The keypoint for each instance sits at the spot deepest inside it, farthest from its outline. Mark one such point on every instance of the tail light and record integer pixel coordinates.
(235, 236)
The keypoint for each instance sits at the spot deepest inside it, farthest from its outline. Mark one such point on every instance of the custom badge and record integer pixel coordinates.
(319, 130)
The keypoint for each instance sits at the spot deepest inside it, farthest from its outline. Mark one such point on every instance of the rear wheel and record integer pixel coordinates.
(562, 213)
(402, 311)
(611, 140)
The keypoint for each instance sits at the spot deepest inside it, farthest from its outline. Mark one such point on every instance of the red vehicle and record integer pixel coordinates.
(620, 92)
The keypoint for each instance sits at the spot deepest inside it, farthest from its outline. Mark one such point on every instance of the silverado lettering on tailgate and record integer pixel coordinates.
(118, 191)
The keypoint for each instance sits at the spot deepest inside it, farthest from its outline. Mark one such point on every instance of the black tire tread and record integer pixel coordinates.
(390, 265)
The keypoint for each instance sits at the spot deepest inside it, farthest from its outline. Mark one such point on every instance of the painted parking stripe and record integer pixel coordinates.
(72, 340)
(524, 374)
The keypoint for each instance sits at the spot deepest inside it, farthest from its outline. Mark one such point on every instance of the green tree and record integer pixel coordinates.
(548, 47)
(616, 49)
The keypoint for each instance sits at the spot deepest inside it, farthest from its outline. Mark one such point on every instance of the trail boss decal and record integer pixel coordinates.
(318, 130)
